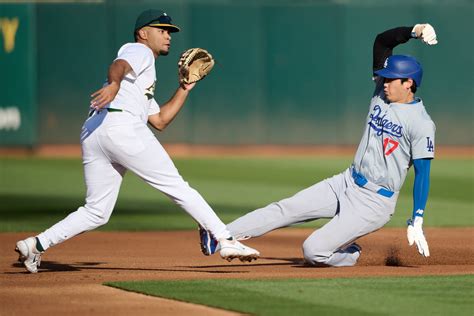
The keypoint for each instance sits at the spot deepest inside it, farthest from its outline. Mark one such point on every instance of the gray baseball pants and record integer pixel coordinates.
(355, 212)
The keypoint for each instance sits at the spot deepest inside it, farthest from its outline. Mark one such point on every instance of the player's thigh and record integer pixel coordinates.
(316, 201)
(348, 225)
(141, 153)
(334, 234)
(102, 177)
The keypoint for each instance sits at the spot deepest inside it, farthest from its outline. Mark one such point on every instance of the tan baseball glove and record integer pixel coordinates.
(194, 64)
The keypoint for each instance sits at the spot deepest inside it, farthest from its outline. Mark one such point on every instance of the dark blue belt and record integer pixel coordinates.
(361, 181)
(108, 109)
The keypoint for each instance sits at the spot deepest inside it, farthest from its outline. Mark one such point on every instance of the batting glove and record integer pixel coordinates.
(426, 33)
(415, 235)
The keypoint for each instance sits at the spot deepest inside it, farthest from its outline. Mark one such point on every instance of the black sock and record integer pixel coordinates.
(39, 247)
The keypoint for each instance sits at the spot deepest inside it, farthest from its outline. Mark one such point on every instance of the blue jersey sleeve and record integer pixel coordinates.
(421, 186)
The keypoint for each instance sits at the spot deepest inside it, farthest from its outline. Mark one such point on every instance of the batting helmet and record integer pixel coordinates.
(401, 66)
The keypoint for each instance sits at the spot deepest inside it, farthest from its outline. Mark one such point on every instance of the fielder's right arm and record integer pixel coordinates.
(117, 71)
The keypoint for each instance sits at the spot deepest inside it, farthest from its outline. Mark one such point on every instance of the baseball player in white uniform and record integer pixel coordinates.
(399, 133)
(115, 138)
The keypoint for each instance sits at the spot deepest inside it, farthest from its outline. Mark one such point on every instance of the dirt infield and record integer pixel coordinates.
(71, 274)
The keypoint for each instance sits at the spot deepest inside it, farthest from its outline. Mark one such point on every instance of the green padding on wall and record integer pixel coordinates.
(288, 72)
(18, 114)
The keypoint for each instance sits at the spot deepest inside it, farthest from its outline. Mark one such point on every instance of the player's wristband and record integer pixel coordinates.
(413, 33)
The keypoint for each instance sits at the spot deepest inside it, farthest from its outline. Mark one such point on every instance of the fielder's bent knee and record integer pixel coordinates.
(95, 217)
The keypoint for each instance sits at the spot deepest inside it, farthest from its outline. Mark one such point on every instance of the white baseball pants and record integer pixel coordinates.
(355, 212)
(113, 142)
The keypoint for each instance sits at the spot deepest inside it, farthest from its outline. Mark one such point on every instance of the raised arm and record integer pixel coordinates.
(385, 42)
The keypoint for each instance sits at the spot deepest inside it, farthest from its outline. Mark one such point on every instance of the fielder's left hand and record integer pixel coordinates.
(426, 33)
(415, 235)
(187, 86)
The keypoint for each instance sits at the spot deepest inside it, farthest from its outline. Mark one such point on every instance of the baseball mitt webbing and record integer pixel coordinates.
(194, 64)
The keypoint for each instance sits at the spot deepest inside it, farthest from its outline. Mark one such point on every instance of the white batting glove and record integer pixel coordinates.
(415, 235)
(426, 33)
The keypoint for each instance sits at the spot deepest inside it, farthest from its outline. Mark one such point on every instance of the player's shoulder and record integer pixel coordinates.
(415, 108)
(420, 110)
(136, 48)
(418, 117)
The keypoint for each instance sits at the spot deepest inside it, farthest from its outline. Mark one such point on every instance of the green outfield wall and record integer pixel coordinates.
(18, 77)
(288, 72)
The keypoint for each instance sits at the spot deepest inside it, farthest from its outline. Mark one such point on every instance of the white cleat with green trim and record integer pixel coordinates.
(29, 255)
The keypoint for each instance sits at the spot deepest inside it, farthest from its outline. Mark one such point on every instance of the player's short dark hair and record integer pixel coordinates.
(413, 86)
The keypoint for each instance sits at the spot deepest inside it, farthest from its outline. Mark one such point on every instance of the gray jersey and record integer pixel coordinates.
(395, 134)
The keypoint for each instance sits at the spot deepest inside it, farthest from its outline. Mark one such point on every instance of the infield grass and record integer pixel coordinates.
(35, 193)
(440, 295)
